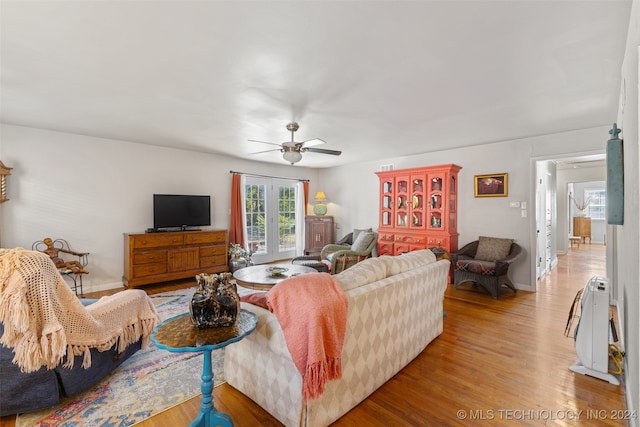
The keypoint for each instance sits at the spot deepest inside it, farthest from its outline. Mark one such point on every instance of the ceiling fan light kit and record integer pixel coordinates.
(292, 156)
(292, 150)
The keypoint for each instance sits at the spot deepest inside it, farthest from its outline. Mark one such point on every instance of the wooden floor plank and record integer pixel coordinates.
(498, 362)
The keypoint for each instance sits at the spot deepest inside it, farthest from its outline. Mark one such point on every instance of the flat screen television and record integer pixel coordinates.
(181, 211)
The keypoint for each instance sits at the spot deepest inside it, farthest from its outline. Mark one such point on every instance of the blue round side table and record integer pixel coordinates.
(178, 334)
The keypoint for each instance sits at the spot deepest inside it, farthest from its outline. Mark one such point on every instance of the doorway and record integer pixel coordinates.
(553, 215)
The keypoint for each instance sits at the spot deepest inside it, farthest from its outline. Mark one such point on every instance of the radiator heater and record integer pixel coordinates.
(591, 335)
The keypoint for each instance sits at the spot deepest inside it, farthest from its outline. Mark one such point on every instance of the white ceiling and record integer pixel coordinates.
(375, 79)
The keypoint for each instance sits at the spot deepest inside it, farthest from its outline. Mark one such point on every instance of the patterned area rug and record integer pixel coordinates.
(148, 383)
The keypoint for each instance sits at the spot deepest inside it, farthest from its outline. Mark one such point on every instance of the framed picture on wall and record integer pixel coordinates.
(491, 185)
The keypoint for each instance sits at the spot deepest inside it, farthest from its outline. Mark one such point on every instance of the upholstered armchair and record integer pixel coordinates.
(341, 257)
(486, 262)
(346, 252)
(54, 345)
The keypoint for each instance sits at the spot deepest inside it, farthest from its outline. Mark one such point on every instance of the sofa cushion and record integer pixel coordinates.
(493, 248)
(363, 241)
(475, 266)
(364, 272)
(410, 260)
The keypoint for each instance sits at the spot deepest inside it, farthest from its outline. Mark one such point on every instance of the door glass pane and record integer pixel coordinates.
(256, 206)
(287, 218)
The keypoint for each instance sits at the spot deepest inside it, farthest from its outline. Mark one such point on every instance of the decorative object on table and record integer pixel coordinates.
(215, 302)
(320, 208)
(239, 257)
(277, 271)
(493, 185)
(4, 172)
(615, 178)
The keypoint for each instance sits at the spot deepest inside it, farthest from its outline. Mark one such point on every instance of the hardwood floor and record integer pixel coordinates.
(498, 362)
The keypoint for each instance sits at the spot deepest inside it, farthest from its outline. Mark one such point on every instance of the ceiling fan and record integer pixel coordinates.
(292, 150)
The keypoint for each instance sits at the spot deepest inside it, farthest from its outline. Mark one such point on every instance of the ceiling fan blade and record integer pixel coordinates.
(267, 151)
(312, 142)
(323, 151)
(265, 142)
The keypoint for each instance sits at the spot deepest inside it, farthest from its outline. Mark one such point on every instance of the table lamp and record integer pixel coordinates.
(320, 208)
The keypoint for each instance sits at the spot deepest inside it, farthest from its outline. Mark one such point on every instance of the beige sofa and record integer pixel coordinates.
(395, 310)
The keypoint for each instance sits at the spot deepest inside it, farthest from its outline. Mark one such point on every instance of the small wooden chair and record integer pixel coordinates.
(73, 269)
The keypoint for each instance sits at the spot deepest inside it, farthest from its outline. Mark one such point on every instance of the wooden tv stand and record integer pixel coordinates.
(161, 257)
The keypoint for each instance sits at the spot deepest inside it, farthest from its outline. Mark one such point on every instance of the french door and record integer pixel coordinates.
(271, 218)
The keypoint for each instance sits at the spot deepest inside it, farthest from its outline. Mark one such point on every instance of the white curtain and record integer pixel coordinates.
(299, 218)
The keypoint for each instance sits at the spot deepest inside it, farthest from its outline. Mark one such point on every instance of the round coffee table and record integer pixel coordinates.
(258, 276)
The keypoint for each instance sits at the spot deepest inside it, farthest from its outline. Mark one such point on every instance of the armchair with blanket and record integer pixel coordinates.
(486, 262)
(347, 252)
(53, 344)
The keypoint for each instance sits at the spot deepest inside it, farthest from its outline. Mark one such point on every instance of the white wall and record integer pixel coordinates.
(353, 189)
(625, 237)
(90, 191)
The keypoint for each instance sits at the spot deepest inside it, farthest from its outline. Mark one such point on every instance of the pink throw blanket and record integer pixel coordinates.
(312, 311)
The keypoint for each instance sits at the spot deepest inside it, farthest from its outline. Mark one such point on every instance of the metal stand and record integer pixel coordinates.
(76, 278)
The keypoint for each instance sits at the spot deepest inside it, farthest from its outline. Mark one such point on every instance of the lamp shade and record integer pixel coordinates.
(320, 195)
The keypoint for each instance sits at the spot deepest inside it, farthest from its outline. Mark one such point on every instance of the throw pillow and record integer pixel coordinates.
(258, 298)
(493, 248)
(356, 233)
(363, 241)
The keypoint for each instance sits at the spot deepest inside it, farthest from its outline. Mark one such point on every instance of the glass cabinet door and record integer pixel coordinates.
(417, 201)
(387, 202)
(402, 201)
(436, 208)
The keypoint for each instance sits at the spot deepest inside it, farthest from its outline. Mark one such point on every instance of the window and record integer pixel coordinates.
(597, 207)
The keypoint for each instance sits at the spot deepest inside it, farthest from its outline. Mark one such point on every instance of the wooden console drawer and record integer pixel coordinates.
(207, 251)
(145, 270)
(205, 237)
(213, 261)
(149, 257)
(158, 240)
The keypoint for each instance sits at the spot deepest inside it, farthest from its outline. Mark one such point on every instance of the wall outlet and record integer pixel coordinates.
(523, 213)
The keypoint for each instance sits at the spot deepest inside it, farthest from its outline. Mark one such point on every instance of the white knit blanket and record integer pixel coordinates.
(46, 324)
